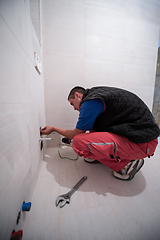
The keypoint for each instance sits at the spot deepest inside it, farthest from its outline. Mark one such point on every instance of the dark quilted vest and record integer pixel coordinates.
(125, 114)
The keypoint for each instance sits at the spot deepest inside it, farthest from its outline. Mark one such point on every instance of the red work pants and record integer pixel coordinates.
(111, 149)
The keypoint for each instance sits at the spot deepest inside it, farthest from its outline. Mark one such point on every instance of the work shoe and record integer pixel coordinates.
(89, 160)
(128, 172)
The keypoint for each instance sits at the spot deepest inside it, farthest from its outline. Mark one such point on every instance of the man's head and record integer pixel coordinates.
(75, 97)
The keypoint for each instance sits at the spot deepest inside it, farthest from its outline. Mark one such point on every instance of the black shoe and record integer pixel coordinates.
(89, 160)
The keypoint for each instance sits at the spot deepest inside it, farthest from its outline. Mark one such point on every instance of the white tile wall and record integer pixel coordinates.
(72, 46)
(139, 54)
(59, 69)
(21, 112)
(10, 11)
(104, 48)
(97, 72)
(142, 32)
(147, 11)
(115, 5)
(107, 22)
(66, 16)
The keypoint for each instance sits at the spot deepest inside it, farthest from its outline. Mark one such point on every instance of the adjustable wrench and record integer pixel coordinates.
(65, 198)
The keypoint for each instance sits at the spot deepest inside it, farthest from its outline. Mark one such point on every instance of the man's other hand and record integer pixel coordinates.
(46, 130)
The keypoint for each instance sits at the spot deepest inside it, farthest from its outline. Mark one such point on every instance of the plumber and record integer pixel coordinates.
(121, 130)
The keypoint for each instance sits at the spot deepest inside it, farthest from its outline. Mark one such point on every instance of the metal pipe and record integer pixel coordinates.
(42, 139)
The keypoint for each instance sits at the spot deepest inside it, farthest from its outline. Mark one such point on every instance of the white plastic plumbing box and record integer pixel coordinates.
(37, 63)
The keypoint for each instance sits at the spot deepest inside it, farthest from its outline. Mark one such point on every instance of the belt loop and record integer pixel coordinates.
(148, 151)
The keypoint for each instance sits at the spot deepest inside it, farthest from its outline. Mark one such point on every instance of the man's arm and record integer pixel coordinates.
(64, 132)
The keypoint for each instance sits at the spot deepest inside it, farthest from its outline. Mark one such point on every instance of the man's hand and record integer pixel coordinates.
(64, 132)
(47, 130)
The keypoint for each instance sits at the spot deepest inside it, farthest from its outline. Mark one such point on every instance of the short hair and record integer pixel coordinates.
(76, 89)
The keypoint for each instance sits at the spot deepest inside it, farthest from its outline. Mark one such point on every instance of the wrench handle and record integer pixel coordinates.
(75, 188)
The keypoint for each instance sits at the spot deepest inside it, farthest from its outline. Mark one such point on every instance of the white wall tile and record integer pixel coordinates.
(61, 115)
(17, 192)
(100, 47)
(75, 2)
(14, 121)
(13, 63)
(139, 75)
(99, 72)
(14, 14)
(140, 54)
(62, 71)
(105, 22)
(116, 5)
(33, 232)
(33, 44)
(21, 112)
(143, 10)
(142, 32)
(27, 2)
(63, 16)
(62, 74)
(62, 42)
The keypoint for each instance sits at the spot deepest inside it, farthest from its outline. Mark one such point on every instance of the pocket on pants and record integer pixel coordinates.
(104, 150)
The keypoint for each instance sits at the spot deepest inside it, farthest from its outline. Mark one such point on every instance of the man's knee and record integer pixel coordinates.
(76, 140)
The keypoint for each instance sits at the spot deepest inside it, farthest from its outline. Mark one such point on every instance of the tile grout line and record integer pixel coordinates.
(20, 166)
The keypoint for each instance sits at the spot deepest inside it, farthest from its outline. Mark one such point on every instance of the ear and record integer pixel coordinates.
(76, 94)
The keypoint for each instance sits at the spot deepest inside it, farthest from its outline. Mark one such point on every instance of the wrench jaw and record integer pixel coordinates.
(62, 201)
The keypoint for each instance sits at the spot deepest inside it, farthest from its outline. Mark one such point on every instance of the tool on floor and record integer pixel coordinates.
(65, 198)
